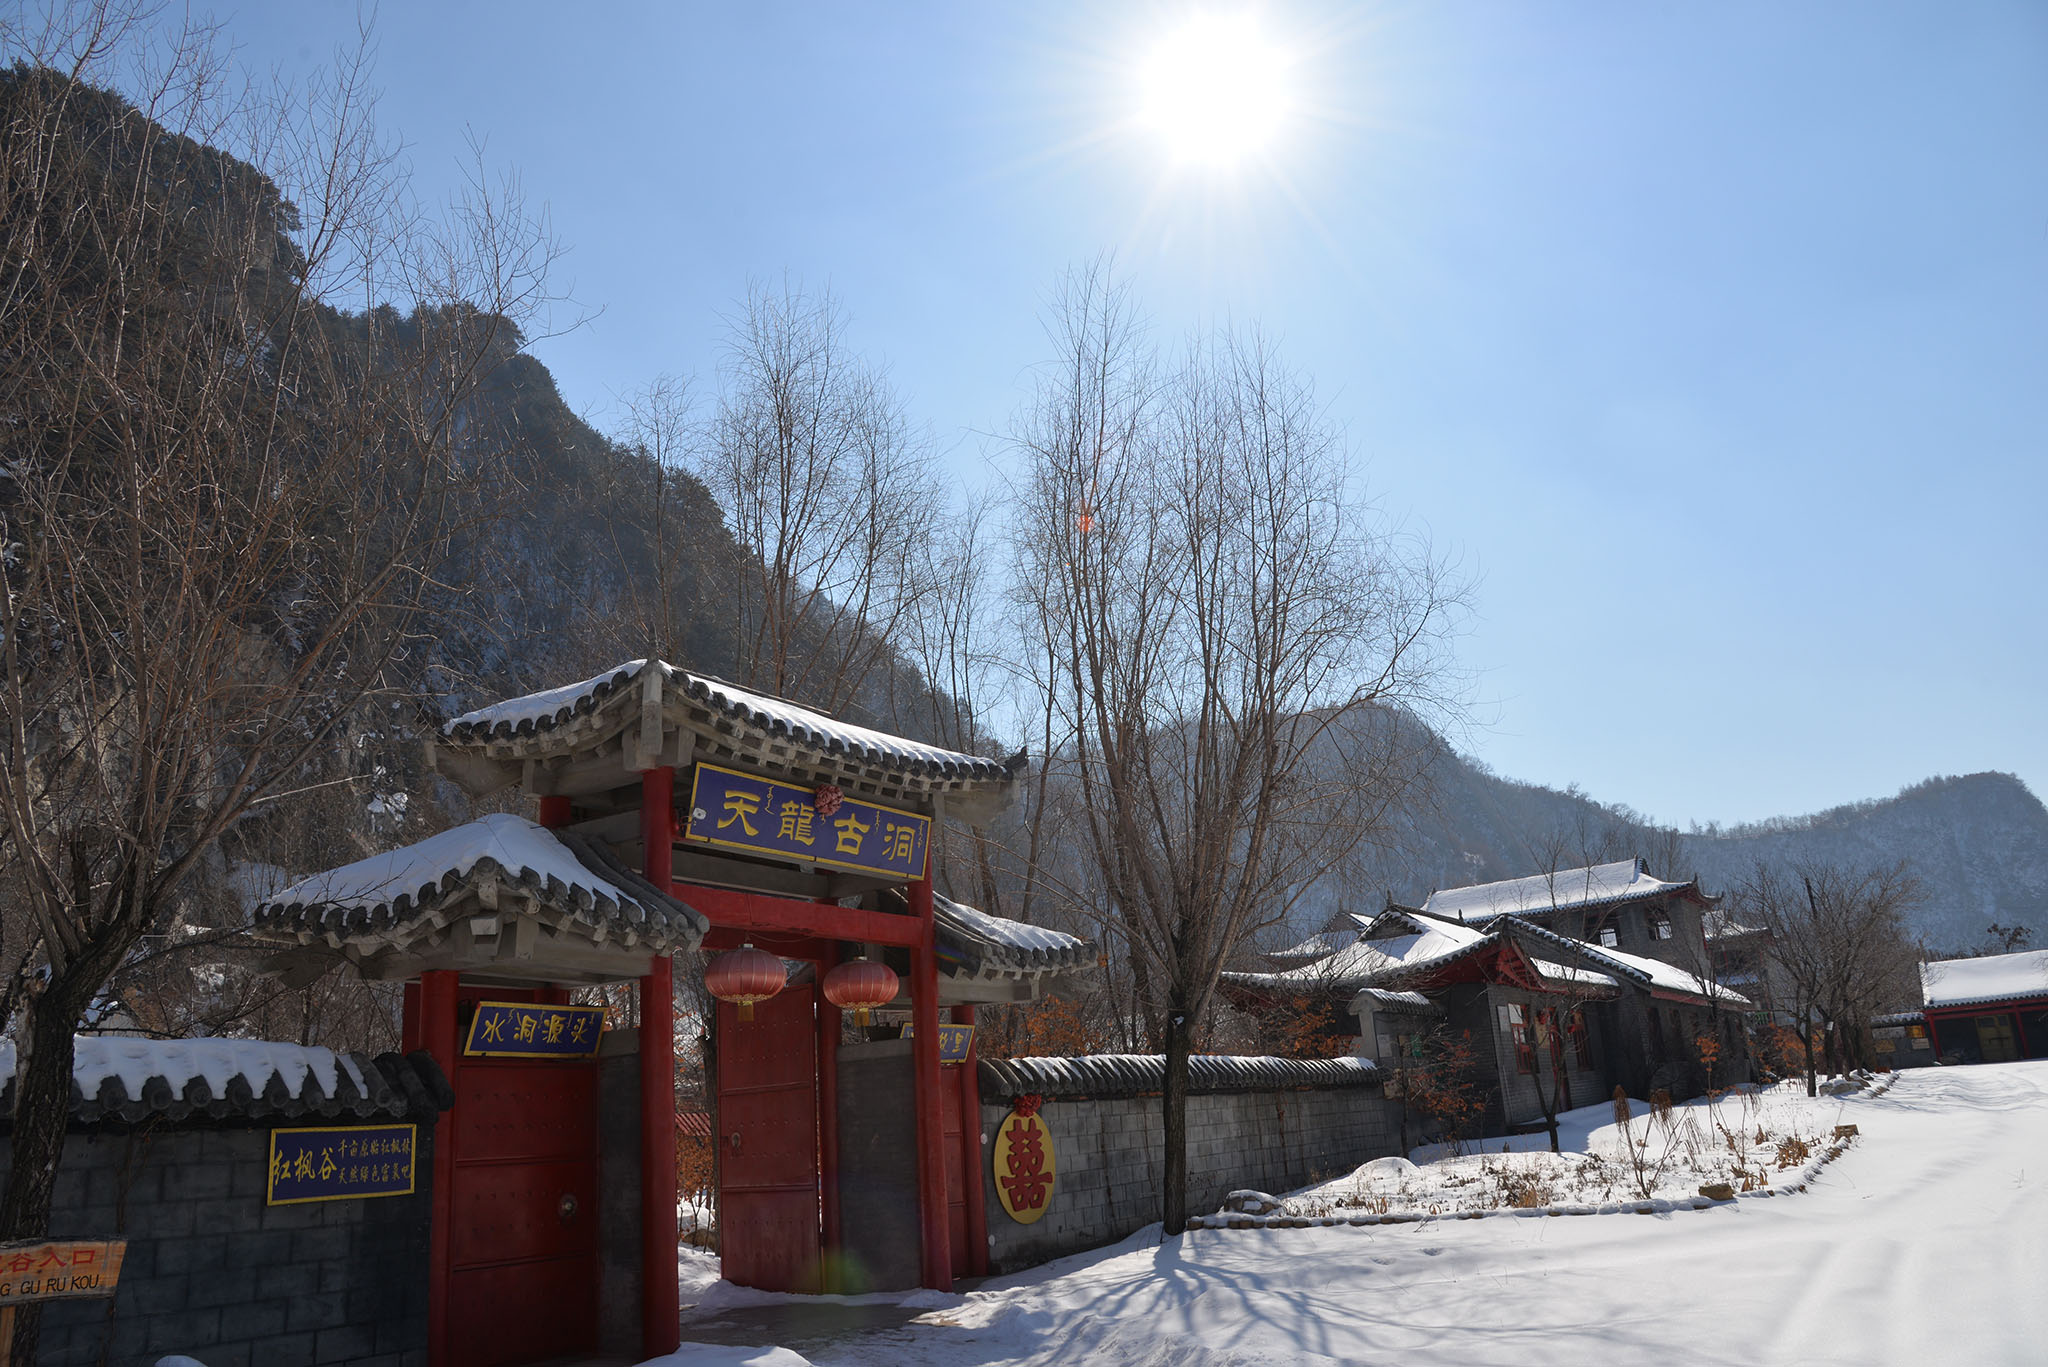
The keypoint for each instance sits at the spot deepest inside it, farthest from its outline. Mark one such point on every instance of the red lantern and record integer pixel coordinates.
(744, 976)
(860, 984)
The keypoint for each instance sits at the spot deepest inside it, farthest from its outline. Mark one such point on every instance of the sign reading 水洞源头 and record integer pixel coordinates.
(954, 1041)
(58, 1270)
(340, 1163)
(527, 1030)
(764, 816)
(1023, 1162)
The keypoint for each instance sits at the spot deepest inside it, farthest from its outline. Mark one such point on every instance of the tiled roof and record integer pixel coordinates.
(980, 943)
(1596, 885)
(1126, 1075)
(573, 884)
(129, 1080)
(769, 719)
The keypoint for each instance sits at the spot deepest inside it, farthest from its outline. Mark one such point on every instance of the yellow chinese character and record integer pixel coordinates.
(524, 1032)
(302, 1166)
(796, 821)
(899, 841)
(739, 805)
(494, 1029)
(327, 1164)
(553, 1034)
(581, 1028)
(851, 831)
(280, 1170)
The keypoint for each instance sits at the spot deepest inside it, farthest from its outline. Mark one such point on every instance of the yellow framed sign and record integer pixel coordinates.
(340, 1163)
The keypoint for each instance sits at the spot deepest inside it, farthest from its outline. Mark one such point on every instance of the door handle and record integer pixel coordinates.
(567, 1207)
(734, 1139)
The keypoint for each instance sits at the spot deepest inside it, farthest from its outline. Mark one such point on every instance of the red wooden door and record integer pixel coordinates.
(769, 1231)
(522, 1247)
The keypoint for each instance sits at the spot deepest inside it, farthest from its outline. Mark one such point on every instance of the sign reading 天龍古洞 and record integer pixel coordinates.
(59, 1270)
(533, 1030)
(1023, 1163)
(340, 1163)
(764, 816)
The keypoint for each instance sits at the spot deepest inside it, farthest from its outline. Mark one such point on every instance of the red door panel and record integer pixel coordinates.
(769, 1231)
(956, 1179)
(522, 1243)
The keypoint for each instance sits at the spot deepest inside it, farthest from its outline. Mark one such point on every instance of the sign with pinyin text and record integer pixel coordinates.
(533, 1030)
(59, 1270)
(340, 1163)
(759, 815)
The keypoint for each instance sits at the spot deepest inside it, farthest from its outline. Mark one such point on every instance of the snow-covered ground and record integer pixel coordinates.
(1925, 1243)
(1750, 1140)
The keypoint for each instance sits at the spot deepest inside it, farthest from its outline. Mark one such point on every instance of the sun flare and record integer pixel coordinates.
(1216, 91)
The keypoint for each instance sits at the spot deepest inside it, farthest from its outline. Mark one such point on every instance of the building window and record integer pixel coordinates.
(1524, 1039)
(1582, 1040)
(1660, 926)
(1610, 935)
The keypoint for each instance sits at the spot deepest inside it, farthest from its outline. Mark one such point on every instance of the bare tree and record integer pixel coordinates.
(1222, 619)
(1839, 937)
(827, 491)
(224, 498)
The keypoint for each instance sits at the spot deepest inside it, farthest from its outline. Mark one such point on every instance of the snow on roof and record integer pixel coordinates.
(1625, 880)
(1317, 946)
(983, 942)
(1561, 973)
(1653, 972)
(127, 1078)
(536, 713)
(379, 894)
(1994, 977)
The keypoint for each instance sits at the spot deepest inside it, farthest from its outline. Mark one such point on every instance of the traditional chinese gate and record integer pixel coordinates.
(768, 1143)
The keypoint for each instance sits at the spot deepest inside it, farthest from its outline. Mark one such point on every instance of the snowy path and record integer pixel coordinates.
(1927, 1243)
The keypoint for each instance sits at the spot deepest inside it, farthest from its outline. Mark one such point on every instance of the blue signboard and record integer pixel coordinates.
(765, 816)
(532, 1030)
(340, 1163)
(954, 1041)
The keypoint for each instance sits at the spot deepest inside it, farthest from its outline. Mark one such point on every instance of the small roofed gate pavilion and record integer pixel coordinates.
(807, 838)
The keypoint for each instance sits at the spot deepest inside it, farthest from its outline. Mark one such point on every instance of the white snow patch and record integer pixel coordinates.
(178, 1061)
(1015, 934)
(720, 1355)
(514, 842)
(1581, 887)
(1995, 977)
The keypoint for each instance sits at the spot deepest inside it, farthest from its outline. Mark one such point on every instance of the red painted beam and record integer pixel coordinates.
(435, 1024)
(554, 811)
(937, 1252)
(660, 1297)
(761, 913)
(972, 1160)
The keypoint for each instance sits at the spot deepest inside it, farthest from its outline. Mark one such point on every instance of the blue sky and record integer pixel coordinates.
(1712, 339)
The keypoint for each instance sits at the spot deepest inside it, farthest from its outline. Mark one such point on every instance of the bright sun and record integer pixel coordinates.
(1216, 91)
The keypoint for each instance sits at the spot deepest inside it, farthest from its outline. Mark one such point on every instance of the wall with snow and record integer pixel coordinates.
(1111, 1158)
(214, 1272)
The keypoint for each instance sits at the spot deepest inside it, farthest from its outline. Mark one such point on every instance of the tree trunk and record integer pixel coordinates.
(1806, 1043)
(42, 1112)
(1180, 1034)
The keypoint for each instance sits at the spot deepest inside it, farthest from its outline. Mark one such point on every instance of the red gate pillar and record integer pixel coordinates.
(972, 1159)
(937, 1254)
(435, 1023)
(828, 1116)
(660, 1297)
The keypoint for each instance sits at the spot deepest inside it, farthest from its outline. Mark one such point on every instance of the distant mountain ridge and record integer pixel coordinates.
(1978, 843)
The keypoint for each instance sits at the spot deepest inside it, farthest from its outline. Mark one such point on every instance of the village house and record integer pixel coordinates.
(1556, 1020)
(1992, 1009)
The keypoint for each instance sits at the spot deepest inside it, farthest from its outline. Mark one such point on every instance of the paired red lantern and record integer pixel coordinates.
(860, 984)
(744, 976)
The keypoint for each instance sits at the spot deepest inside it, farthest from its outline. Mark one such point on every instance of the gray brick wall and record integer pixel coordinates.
(213, 1272)
(1110, 1159)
